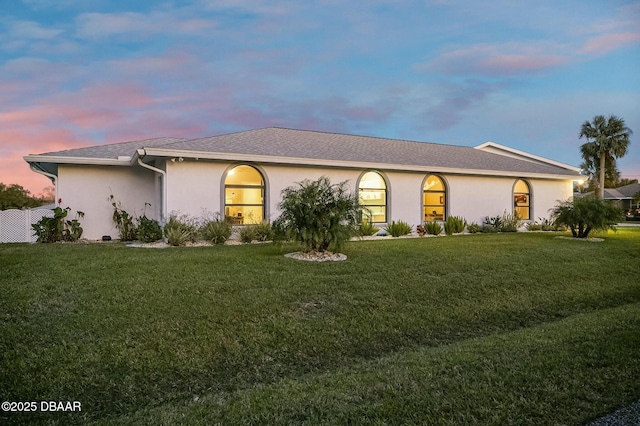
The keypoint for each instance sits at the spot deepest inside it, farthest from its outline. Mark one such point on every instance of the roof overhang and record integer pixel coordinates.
(235, 157)
(496, 148)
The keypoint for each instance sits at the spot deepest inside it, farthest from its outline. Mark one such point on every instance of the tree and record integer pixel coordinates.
(319, 214)
(607, 139)
(16, 197)
(583, 215)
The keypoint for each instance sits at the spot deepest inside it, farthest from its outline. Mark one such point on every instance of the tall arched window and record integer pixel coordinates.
(373, 195)
(522, 199)
(434, 199)
(244, 195)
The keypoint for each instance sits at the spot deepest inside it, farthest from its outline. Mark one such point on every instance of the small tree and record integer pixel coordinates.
(319, 214)
(582, 215)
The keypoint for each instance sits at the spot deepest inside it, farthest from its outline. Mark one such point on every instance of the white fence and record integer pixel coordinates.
(15, 225)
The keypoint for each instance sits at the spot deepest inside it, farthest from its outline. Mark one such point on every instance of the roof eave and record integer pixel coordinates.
(528, 155)
(236, 157)
(121, 161)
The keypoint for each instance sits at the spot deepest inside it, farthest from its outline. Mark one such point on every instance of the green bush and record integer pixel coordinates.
(474, 228)
(56, 228)
(263, 231)
(123, 220)
(398, 229)
(433, 228)
(217, 231)
(534, 226)
(149, 230)
(318, 214)
(510, 222)
(454, 225)
(180, 229)
(494, 222)
(248, 233)
(365, 229)
(488, 229)
(583, 215)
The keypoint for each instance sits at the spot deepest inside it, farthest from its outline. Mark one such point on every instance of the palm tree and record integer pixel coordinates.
(606, 138)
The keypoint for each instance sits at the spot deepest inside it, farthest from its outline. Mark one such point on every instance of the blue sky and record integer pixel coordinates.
(523, 74)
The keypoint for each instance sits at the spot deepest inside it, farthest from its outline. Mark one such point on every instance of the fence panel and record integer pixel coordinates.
(15, 225)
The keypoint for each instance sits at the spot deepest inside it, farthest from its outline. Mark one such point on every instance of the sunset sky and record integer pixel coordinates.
(76, 73)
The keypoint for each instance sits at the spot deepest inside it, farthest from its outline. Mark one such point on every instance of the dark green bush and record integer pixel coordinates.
(217, 231)
(398, 229)
(57, 228)
(180, 229)
(433, 228)
(454, 225)
(149, 230)
(582, 215)
(474, 228)
(318, 214)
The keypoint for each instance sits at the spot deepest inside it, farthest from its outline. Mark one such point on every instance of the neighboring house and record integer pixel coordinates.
(623, 197)
(241, 175)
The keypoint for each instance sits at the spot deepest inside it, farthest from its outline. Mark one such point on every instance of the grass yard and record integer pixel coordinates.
(490, 329)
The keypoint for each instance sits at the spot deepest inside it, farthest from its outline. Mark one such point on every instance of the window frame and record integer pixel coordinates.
(445, 196)
(386, 194)
(239, 220)
(527, 198)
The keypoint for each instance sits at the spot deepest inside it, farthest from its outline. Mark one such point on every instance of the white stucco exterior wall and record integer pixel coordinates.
(87, 189)
(195, 186)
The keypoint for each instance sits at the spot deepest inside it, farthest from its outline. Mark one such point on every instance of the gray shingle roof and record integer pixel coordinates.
(290, 143)
(113, 150)
(304, 144)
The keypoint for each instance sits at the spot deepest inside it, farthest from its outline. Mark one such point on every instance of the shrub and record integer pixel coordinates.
(493, 222)
(56, 228)
(248, 233)
(454, 225)
(510, 222)
(366, 229)
(433, 228)
(177, 236)
(399, 228)
(217, 231)
(582, 215)
(474, 228)
(488, 229)
(180, 229)
(264, 231)
(149, 230)
(318, 214)
(534, 226)
(123, 220)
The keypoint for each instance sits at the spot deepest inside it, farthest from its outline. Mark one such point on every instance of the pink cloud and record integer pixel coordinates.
(498, 59)
(608, 42)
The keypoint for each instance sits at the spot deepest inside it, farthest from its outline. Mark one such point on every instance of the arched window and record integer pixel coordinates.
(244, 195)
(522, 199)
(434, 199)
(373, 195)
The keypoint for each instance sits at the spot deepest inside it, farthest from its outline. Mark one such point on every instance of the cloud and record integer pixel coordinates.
(507, 59)
(606, 43)
(126, 24)
(30, 30)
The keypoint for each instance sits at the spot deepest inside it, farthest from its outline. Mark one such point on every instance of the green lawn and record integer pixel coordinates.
(480, 329)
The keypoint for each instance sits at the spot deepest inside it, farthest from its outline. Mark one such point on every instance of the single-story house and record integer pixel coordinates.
(623, 197)
(241, 175)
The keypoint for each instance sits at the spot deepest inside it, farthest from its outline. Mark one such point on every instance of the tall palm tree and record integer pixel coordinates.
(606, 137)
